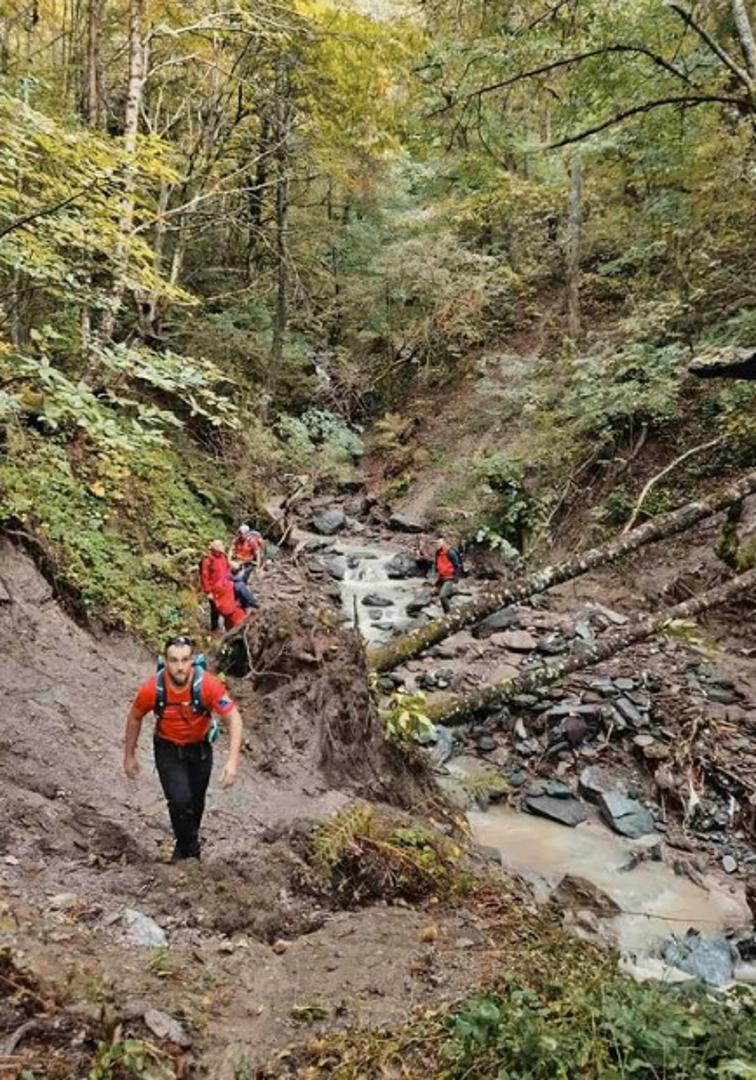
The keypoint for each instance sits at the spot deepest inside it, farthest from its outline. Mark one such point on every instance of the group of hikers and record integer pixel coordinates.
(185, 697)
(224, 577)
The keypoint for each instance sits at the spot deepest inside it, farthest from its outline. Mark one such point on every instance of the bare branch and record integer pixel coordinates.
(46, 211)
(647, 106)
(578, 58)
(715, 47)
(660, 475)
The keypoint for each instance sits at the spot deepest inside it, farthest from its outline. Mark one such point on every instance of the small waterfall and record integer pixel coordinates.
(367, 576)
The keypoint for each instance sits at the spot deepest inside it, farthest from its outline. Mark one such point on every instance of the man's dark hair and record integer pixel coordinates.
(177, 639)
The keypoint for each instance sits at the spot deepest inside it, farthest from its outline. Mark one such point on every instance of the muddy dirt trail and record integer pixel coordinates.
(246, 958)
(245, 954)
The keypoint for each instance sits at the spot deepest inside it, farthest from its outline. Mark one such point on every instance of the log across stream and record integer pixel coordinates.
(654, 899)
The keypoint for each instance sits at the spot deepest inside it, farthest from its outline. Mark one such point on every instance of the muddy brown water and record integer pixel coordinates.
(655, 901)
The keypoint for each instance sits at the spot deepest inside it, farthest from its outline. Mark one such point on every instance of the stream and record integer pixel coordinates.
(655, 901)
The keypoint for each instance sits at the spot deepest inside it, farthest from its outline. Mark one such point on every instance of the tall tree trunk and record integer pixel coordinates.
(151, 312)
(745, 35)
(460, 710)
(280, 317)
(92, 95)
(574, 230)
(677, 521)
(256, 194)
(137, 70)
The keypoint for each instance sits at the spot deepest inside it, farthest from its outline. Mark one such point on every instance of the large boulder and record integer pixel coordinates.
(712, 960)
(573, 891)
(329, 522)
(402, 566)
(405, 523)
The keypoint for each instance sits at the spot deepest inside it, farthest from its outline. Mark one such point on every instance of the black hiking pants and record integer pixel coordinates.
(184, 772)
(214, 614)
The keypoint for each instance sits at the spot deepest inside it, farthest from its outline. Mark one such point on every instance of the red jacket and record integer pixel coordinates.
(444, 566)
(225, 600)
(214, 569)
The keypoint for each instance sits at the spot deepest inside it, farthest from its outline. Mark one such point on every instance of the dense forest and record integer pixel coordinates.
(396, 270)
(240, 243)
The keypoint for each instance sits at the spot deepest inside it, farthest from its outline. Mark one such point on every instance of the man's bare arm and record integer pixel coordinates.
(234, 721)
(133, 727)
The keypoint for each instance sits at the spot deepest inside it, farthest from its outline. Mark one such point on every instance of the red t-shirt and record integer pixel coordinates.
(179, 722)
(444, 565)
(245, 548)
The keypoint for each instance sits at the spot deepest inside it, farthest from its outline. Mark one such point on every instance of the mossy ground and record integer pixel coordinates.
(123, 533)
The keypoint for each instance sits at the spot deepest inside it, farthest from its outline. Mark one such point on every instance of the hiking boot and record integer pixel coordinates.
(179, 855)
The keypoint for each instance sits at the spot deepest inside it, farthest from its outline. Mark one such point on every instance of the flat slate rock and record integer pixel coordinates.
(404, 523)
(492, 624)
(595, 782)
(566, 811)
(626, 816)
(515, 640)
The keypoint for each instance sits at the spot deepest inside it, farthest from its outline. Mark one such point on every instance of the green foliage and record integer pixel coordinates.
(320, 442)
(620, 1030)
(510, 513)
(130, 1059)
(405, 718)
(363, 854)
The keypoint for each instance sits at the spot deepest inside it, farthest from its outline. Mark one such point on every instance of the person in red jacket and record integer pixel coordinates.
(183, 697)
(214, 569)
(226, 603)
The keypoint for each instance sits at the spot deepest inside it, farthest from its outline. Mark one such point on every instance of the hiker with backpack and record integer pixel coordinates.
(184, 697)
(248, 548)
(449, 569)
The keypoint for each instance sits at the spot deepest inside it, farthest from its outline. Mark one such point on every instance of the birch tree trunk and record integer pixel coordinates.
(745, 35)
(137, 69)
(491, 600)
(454, 711)
(574, 230)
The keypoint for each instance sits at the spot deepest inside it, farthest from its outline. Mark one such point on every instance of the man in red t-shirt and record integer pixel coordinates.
(446, 573)
(183, 752)
(248, 548)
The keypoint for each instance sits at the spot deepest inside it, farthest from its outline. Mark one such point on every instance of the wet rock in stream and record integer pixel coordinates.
(567, 811)
(329, 522)
(626, 816)
(710, 959)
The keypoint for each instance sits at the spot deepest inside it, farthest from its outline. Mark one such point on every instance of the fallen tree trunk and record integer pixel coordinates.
(459, 710)
(404, 648)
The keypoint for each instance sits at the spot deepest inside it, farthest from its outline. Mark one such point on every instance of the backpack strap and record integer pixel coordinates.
(198, 673)
(160, 694)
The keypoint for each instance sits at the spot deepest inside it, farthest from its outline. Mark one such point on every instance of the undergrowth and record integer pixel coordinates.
(589, 1030)
(124, 532)
(363, 854)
